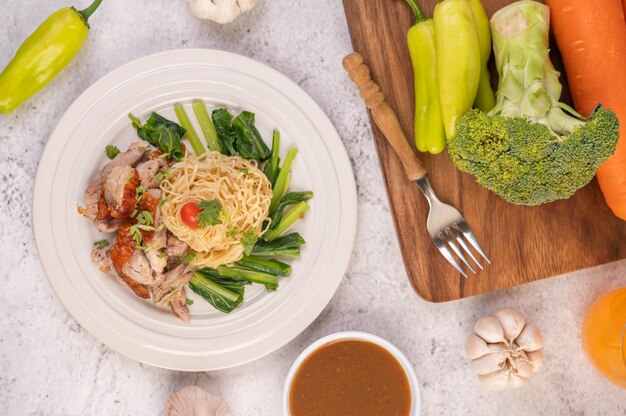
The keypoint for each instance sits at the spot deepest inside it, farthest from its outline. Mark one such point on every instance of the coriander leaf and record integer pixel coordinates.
(232, 232)
(101, 243)
(248, 240)
(162, 133)
(210, 212)
(111, 151)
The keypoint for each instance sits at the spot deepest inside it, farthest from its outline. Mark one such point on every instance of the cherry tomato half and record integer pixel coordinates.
(189, 214)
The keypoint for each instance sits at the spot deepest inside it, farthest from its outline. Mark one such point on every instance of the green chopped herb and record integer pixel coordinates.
(111, 151)
(162, 254)
(101, 243)
(232, 232)
(145, 218)
(136, 234)
(189, 257)
(248, 240)
(244, 171)
(210, 212)
(189, 302)
(160, 176)
(132, 214)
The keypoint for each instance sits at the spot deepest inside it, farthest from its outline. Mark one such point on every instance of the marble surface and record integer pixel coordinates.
(50, 366)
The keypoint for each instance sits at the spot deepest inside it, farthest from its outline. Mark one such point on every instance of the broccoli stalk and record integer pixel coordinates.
(530, 148)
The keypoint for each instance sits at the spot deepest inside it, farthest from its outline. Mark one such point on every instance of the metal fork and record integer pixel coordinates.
(446, 226)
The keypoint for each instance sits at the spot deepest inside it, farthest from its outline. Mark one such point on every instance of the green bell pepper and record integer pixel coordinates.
(49, 49)
(428, 127)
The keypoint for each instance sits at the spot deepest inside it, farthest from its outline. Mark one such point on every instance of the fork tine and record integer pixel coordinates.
(448, 239)
(443, 249)
(461, 241)
(464, 228)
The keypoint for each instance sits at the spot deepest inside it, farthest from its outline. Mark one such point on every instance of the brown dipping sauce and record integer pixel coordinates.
(350, 378)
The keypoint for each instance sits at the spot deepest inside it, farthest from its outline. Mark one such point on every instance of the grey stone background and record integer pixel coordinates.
(50, 366)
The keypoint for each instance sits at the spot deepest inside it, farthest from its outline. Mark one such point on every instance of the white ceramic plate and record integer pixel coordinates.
(110, 311)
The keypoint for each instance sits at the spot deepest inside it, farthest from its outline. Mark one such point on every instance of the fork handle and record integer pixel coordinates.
(384, 116)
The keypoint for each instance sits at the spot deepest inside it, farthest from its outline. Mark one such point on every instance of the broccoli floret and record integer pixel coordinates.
(527, 163)
(530, 149)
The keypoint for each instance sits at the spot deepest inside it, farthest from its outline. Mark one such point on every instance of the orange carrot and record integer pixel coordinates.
(592, 39)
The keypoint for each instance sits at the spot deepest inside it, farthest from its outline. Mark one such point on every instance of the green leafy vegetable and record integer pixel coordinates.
(271, 266)
(271, 167)
(208, 129)
(249, 144)
(283, 179)
(226, 135)
(111, 151)
(101, 243)
(161, 133)
(286, 246)
(248, 240)
(190, 132)
(287, 221)
(287, 199)
(268, 280)
(210, 212)
(223, 293)
(239, 136)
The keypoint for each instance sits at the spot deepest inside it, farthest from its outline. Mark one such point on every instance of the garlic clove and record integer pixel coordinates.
(194, 401)
(515, 381)
(246, 5)
(512, 322)
(496, 381)
(536, 358)
(489, 329)
(523, 368)
(530, 338)
(489, 363)
(475, 347)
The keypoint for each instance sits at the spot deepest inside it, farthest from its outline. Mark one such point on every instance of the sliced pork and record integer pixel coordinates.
(175, 247)
(178, 304)
(138, 268)
(148, 172)
(120, 191)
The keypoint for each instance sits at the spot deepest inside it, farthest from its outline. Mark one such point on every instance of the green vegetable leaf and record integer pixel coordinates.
(111, 151)
(189, 302)
(249, 144)
(162, 133)
(238, 135)
(101, 243)
(226, 135)
(288, 199)
(210, 214)
(248, 240)
(271, 266)
(285, 246)
(224, 293)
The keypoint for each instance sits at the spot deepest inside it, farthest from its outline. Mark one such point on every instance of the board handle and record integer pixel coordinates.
(384, 116)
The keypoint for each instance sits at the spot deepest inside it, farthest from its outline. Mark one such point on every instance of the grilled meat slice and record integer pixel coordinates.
(166, 285)
(156, 255)
(122, 251)
(178, 304)
(148, 171)
(135, 152)
(138, 268)
(120, 191)
(103, 258)
(175, 247)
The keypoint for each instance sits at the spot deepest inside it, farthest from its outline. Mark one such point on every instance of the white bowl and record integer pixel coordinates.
(360, 336)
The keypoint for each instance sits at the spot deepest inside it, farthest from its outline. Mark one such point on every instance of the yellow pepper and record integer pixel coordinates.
(43, 55)
(458, 60)
(485, 97)
(428, 127)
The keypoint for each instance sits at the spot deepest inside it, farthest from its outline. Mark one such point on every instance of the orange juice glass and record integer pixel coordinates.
(604, 335)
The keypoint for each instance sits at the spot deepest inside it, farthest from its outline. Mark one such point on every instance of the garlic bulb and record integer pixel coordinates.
(504, 349)
(194, 401)
(220, 11)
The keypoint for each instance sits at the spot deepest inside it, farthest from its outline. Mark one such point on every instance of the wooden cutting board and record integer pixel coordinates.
(524, 243)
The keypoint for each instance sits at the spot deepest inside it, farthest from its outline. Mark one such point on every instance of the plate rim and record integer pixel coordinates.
(279, 82)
